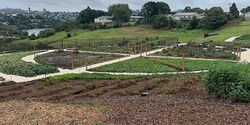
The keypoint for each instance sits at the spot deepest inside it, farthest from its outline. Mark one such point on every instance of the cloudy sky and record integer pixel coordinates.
(78, 5)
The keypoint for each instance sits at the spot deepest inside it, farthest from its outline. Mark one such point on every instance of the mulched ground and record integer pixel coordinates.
(172, 100)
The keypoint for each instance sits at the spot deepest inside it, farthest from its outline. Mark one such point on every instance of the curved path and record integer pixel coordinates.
(245, 56)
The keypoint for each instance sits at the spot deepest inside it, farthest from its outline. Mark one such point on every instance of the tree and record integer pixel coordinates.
(234, 11)
(161, 21)
(245, 10)
(154, 8)
(88, 15)
(163, 8)
(193, 23)
(215, 18)
(196, 9)
(188, 9)
(120, 12)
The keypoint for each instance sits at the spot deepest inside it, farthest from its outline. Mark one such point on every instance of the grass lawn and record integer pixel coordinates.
(228, 32)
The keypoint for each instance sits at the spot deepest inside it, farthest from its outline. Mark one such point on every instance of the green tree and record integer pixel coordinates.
(196, 9)
(215, 18)
(193, 23)
(234, 11)
(187, 9)
(245, 10)
(154, 8)
(161, 21)
(163, 8)
(88, 15)
(120, 12)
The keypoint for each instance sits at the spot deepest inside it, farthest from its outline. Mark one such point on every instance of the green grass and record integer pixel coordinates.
(90, 76)
(228, 32)
(134, 31)
(144, 65)
(139, 31)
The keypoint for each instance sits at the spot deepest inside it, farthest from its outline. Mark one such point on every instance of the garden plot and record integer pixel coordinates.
(72, 60)
(12, 64)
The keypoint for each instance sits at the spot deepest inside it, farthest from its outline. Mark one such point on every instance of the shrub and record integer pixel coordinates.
(68, 35)
(229, 82)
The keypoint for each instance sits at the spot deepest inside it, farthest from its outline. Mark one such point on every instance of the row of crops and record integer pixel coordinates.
(12, 64)
(150, 65)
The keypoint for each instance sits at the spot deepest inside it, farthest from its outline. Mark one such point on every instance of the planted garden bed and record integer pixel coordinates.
(12, 64)
(80, 59)
(193, 50)
(156, 65)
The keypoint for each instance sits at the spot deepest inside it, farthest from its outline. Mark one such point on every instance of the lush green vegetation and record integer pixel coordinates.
(194, 50)
(90, 76)
(153, 66)
(136, 65)
(244, 37)
(12, 64)
(196, 65)
(227, 32)
(229, 82)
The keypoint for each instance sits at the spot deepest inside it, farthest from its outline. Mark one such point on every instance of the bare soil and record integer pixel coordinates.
(171, 100)
(69, 60)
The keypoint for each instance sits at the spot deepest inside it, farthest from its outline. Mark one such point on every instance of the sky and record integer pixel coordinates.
(78, 5)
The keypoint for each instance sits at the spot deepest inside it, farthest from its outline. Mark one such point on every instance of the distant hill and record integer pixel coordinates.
(12, 10)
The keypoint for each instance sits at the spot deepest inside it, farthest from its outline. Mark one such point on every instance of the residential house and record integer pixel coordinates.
(247, 16)
(136, 18)
(186, 16)
(104, 19)
(108, 19)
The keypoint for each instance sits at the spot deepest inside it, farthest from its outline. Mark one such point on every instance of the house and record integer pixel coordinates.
(136, 18)
(247, 16)
(108, 19)
(104, 19)
(186, 16)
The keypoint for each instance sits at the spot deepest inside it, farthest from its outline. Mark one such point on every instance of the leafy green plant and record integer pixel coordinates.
(229, 82)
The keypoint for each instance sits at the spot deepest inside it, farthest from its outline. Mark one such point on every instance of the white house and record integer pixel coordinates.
(104, 19)
(247, 16)
(186, 16)
(108, 19)
(136, 18)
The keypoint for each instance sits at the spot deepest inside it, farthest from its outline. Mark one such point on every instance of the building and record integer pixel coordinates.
(104, 19)
(247, 16)
(186, 16)
(136, 18)
(109, 19)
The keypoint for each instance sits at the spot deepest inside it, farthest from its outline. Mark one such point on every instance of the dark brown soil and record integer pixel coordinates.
(71, 60)
(171, 100)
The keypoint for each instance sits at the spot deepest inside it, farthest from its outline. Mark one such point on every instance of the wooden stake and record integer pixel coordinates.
(72, 60)
(183, 61)
(86, 61)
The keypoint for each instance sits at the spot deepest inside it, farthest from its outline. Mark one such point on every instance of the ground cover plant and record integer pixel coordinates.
(195, 50)
(12, 64)
(229, 82)
(137, 65)
(63, 59)
(196, 65)
(156, 65)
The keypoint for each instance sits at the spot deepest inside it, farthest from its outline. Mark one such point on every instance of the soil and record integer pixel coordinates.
(65, 59)
(171, 100)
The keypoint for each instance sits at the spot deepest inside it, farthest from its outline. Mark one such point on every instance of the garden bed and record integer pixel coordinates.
(158, 65)
(69, 60)
(12, 64)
